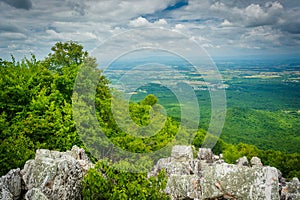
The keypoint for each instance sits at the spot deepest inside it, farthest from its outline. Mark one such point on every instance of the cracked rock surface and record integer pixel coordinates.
(209, 177)
(51, 175)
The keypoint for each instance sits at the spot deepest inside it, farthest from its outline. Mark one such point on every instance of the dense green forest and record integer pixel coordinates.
(36, 99)
(259, 112)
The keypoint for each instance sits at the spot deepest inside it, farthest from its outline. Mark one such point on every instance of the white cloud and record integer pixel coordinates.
(143, 22)
(213, 23)
(179, 26)
(261, 37)
(226, 23)
(161, 22)
(251, 16)
(138, 22)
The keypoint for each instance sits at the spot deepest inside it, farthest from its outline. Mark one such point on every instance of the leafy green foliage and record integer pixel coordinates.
(267, 130)
(104, 182)
(15, 151)
(150, 100)
(210, 140)
(65, 56)
(128, 137)
(35, 104)
(288, 164)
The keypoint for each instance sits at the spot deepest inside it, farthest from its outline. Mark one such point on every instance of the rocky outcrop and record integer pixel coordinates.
(208, 177)
(57, 175)
(10, 185)
(51, 175)
(291, 190)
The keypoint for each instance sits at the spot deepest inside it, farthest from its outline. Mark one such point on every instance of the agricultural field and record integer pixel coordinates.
(263, 97)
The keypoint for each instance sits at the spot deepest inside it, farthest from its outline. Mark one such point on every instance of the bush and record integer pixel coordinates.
(105, 182)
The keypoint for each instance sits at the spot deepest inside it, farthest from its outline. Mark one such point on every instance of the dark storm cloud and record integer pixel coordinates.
(21, 4)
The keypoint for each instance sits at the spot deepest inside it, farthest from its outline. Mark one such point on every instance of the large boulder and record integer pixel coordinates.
(10, 185)
(208, 177)
(182, 153)
(243, 161)
(235, 182)
(205, 154)
(184, 187)
(55, 175)
(51, 175)
(256, 162)
(291, 191)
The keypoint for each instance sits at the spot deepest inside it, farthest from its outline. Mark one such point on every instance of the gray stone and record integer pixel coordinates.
(205, 154)
(208, 177)
(291, 191)
(216, 157)
(57, 178)
(184, 187)
(230, 181)
(182, 153)
(11, 185)
(256, 162)
(243, 161)
(175, 166)
(81, 157)
(55, 175)
(35, 194)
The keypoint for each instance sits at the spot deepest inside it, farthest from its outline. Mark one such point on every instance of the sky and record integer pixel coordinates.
(224, 28)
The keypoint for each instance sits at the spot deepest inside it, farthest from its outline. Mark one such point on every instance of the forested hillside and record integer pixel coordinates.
(36, 112)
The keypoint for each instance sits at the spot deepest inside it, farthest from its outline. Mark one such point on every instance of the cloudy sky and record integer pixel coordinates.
(222, 27)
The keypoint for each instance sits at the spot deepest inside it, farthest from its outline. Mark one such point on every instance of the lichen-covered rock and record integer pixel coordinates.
(291, 191)
(231, 181)
(81, 157)
(205, 154)
(35, 194)
(184, 187)
(57, 178)
(243, 161)
(256, 162)
(182, 153)
(10, 185)
(208, 177)
(183, 164)
(55, 175)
